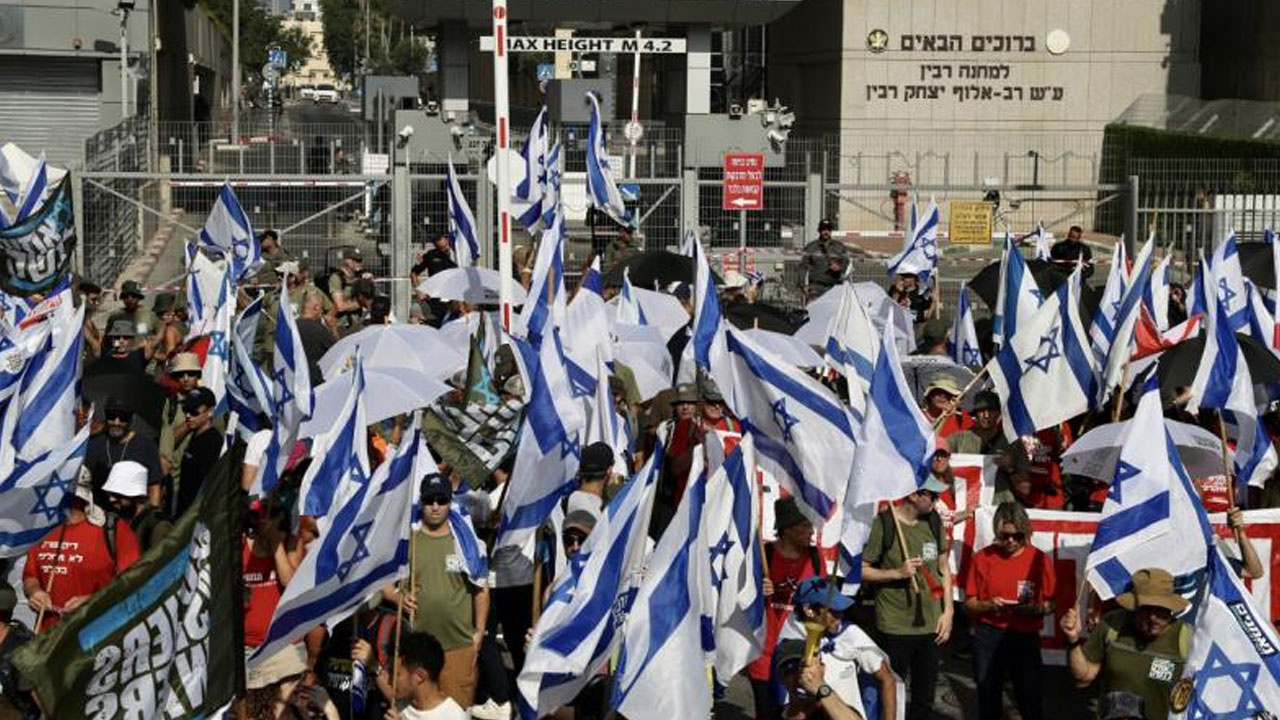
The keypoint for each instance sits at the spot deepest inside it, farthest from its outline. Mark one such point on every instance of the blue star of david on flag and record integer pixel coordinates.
(971, 355)
(1037, 294)
(571, 446)
(929, 246)
(1219, 668)
(361, 552)
(218, 345)
(719, 552)
(286, 392)
(1124, 472)
(1051, 351)
(52, 509)
(785, 420)
(1225, 293)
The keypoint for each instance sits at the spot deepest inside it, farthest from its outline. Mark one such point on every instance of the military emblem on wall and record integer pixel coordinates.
(877, 41)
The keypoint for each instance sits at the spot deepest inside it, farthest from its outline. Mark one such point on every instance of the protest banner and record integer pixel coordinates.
(165, 638)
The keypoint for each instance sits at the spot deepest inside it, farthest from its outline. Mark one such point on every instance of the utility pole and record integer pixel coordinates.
(124, 8)
(235, 71)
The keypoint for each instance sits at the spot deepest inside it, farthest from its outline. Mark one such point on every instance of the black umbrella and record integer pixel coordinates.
(746, 316)
(1256, 264)
(986, 284)
(138, 392)
(1178, 365)
(654, 267)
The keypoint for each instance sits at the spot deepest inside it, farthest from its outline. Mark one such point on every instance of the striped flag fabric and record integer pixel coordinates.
(463, 236)
(601, 188)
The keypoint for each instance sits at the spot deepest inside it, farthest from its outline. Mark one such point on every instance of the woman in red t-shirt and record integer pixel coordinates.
(1008, 593)
(266, 570)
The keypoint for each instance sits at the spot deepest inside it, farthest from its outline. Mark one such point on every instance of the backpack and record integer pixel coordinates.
(888, 536)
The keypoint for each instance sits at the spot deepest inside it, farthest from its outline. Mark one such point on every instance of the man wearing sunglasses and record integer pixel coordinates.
(986, 437)
(119, 442)
(204, 447)
(1008, 593)
(1140, 648)
(184, 372)
(444, 601)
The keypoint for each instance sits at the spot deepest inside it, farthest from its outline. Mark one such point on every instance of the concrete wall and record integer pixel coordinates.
(71, 28)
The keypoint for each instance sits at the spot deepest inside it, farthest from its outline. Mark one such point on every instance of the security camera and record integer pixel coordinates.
(405, 133)
(432, 108)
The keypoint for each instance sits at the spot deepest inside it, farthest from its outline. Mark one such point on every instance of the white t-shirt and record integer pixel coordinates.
(447, 710)
(843, 657)
(256, 447)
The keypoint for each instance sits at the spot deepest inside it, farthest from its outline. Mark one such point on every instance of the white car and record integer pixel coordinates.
(325, 94)
(307, 92)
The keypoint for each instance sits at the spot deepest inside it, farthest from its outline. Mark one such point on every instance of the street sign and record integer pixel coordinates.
(743, 187)
(270, 73)
(530, 43)
(633, 131)
(969, 223)
(277, 58)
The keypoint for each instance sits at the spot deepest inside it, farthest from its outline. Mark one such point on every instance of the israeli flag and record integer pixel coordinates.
(588, 315)
(25, 187)
(218, 329)
(1199, 294)
(292, 399)
(1156, 299)
(1228, 281)
(550, 441)
(605, 424)
(1151, 499)
(579, 628)
(1103, 328)
(1223, 382)
(532, 189)
(34, 498)
(687, 244)
(601, 188)
(680, 624)
(919, 254)
(1045, 373)
(1233, 666)
(248, 387)
(1270, 238)
(1040, 243)
(803, 434)
(629, 309)
(551, 192)
(463, 236)
(895, 442)
(228, 232)
(1017, 297)
(1261, 323)
(43, 411)
(364, 548)
(546, 298)
(1125, 320)
(708, 322)
(593, 280)
(341, 455)
(962, 346)
(852, 346)
(204, 288)
(471, 549)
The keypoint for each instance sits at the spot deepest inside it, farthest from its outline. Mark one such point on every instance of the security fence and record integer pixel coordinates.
(323, 187)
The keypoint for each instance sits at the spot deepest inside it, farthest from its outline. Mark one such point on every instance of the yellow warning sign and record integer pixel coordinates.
(970, 223)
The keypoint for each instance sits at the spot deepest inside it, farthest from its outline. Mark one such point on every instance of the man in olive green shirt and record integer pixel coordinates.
(1013, 468)
(911, 619)
(445, 601)
(144, 321)
(1140, 649)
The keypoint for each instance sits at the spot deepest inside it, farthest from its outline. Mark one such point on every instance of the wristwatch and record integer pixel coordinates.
(1073, 644)
(824, 691)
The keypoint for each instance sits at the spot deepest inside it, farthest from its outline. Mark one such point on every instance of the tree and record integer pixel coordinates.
(259, 32)
(408, 56)
(342, 19)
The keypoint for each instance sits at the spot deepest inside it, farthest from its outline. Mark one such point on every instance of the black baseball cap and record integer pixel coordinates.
(198, 398)
(597, 459)
(435, 487)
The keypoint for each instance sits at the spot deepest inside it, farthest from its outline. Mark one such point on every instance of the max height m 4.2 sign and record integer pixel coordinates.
(743, 187)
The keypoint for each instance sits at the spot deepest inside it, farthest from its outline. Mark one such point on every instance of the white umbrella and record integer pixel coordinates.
(786, 347)
(469, 284)
(878, 306)
(921, 370)
(387, 392)
(649, 380)
(1096, 453)
(416, 347)
(661, 310)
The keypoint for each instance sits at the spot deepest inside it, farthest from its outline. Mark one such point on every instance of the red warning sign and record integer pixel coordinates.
(743, 187)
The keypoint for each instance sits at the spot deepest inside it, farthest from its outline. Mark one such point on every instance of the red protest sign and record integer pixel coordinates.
(743, 187)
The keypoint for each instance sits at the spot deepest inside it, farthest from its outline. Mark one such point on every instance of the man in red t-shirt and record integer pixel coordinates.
(266, 569)
(791, 560)
(942, 393)
(1008, 593)
(76, 559)
(1044, 449)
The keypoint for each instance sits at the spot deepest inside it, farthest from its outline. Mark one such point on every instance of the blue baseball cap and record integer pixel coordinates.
(813, 591)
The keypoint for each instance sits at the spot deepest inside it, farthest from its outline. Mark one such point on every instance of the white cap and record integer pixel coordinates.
(733, 280)
(127, 479)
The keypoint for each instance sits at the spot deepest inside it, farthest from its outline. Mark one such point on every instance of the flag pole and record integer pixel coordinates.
(1226, 463)
(902, 543)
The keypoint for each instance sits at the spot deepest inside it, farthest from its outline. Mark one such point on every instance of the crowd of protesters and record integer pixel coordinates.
(463, 643)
